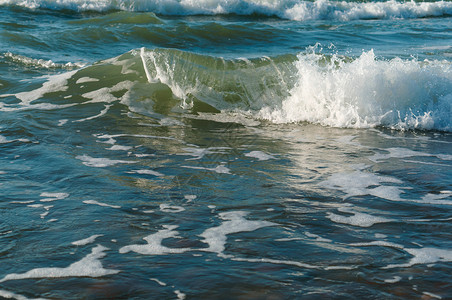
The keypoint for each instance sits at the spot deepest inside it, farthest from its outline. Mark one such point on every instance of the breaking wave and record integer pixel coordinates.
(286, 9)
(331, 90)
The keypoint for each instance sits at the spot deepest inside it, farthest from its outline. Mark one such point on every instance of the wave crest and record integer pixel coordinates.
(286, 9)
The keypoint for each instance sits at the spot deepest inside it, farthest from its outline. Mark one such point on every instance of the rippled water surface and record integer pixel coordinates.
(225, 149)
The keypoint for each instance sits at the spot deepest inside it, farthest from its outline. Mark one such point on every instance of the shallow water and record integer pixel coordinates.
(225, 150)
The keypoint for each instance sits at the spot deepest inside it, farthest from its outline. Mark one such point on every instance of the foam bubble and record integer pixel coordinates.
(360, 183)
(100, 203)
(171, 208)
(85, 80)
(180, 295)
(154, 243)
(259, 155)
(55, 83)
(100, 162)
(404, 153)
(235, 222)
(147, 172)
(11, 295)
(100, 114)
(190, 198)
(221, 169)
(86, 241)
(48, 197)
(158, 281)
(426, 255)
(89, 266)
(393, 279)
(357, 219)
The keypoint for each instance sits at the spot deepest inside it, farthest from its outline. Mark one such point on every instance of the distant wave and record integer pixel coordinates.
(286, 9)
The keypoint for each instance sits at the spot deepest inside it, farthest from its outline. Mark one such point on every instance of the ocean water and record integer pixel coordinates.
(214, 149)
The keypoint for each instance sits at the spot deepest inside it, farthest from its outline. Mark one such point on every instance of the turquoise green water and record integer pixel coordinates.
(225, 149)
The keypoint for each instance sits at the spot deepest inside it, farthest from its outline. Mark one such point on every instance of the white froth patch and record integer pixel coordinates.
(100, 114)
(180, 295)
(154, 243)
(393, 279)
(221, 169)
(55, 83)
(361, 183)
(158, 281)
(147, 172)
(89, 266)
(119, 148)
(259, 155)
(190, 198)
(432, 295)
(357, 219)
(436, 199)
(11, 295)
(171, 208)
(105, 94)
(62, 122)
(235, 222)
(426, 255)
(87, 241)
(100, 203)
(86, 79)
(404, 153)
(318, 238)
(199, 153)
(101, 162)
(49, 197)
(4, 140)
(277, 261)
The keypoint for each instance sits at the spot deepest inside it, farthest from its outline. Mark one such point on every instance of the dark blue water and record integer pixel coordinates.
(225, 149)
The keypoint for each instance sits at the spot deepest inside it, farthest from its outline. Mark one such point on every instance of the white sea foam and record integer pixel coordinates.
(147, 172)
(89, 266)
(154, 243)
(105, 94)
(289, 9)
(171, 208)
(158, 281)
(86, 241)
(426, 255)
(48, 197)
(85, 80)
(55, 83)
(101, 162)
(259, 155)
(221, 169)
(357, 219)
(100, 114)
(100, 203)
(404, 153)
(11, 295)
(360, 183)
(41, 63)
(235, 222)
(119, 148)
(4, 140)
(180, 295)
(393, 279)
(366, 92)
